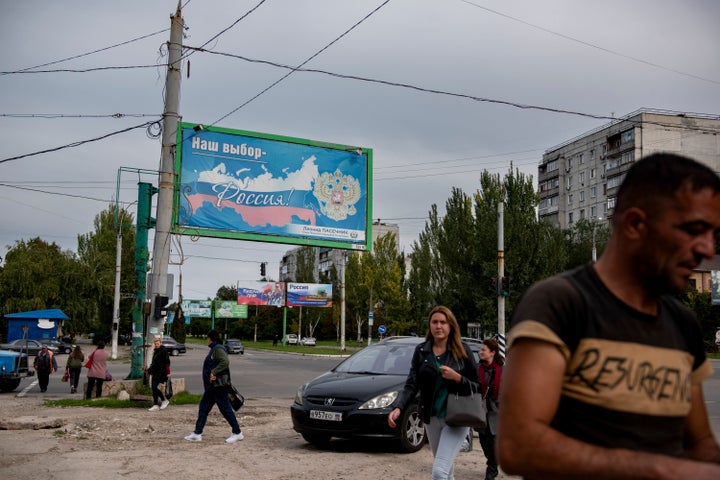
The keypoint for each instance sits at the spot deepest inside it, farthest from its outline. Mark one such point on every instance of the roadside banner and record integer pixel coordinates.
(262, 293)
(309, 295)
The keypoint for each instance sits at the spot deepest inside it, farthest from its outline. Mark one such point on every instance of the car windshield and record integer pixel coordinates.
(381, 359)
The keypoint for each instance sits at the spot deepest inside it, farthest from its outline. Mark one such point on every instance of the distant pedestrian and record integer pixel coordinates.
(45, 364)
(216, 380)
(74, 366)
(490, 374)
(160, 371)
(97, 369)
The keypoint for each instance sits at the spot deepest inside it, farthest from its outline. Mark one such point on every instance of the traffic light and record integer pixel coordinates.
(262, 269)
(160, 304)
(505, 286)
(494, 288)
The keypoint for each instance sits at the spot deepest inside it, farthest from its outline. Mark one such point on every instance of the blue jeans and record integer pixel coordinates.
(219, 396)
(445, 443)
(157, 393)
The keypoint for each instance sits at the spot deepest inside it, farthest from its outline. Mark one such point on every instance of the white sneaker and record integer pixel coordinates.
(194, 437)
(164, 404)
(153, 408)
(235, 437)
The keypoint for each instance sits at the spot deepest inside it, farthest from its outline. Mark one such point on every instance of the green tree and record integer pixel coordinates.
(97, 252)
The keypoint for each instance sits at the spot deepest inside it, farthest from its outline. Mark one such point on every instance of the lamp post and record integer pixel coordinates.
(594, 248)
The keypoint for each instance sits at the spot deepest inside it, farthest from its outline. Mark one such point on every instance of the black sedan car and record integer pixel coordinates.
(30, 347)
(174, 348)
(61, 345)
(353, 399)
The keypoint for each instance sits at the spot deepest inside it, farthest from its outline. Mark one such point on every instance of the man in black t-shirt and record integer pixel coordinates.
(604, 367)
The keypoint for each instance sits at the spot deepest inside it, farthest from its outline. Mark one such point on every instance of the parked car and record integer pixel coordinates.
(307, 341)
(13, 368)
(353, 399)
(234, 346)
(291, 339)
(30, 347)
(173, 347)
(61, 345)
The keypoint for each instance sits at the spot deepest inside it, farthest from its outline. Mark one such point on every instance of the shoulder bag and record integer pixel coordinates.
(466, 410)
(235, 397)
(168, 389)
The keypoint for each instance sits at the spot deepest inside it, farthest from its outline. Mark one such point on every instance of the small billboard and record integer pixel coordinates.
(309, 295)
(197, 308)
(230, 309)
(262, 293)
(253, 186)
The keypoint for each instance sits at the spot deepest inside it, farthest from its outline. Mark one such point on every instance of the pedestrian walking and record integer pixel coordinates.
(44, 364)
(160, 372)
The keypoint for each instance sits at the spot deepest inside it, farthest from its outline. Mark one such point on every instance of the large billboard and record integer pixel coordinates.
(262, 293)
(309, 295)
(253, 186)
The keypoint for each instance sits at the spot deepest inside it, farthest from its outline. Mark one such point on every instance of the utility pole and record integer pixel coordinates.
(342, 302)
(161, 247)
(501, 267)
(116, 299)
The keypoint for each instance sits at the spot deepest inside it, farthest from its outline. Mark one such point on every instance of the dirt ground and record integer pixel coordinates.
(87, 443)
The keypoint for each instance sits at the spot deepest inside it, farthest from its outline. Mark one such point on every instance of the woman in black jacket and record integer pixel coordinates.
(441, 366)
(160, 371)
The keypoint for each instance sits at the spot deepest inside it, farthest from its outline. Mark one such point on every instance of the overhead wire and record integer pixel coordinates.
(311, 57)
(591, 45)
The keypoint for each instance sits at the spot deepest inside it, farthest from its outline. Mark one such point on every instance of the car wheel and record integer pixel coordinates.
(413, 430)
(317, 440)
(175, 352)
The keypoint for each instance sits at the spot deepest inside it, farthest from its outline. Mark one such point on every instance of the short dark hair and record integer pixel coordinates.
(661, 175)
(213, 335)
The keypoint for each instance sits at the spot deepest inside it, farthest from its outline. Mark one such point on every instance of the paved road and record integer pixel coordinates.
(263, 374)
(257, 373)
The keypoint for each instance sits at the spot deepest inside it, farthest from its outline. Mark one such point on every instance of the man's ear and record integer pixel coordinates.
(633, 223)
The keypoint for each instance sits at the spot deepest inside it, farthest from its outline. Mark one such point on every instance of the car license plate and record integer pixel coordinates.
(323, 415)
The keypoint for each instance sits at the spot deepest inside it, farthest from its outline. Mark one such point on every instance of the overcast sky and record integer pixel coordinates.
(475, 65)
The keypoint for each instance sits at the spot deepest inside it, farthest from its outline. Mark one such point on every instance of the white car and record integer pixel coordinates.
(308, 341)
(291, 339)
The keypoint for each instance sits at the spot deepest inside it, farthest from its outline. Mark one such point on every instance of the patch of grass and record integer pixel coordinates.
(181, 398)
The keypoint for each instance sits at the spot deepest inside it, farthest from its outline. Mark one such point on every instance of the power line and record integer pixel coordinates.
(23, 70)
(588, 44)
(68, 115)
(78, 143)
(293, 69)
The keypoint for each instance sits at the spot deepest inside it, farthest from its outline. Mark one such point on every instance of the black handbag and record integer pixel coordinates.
(235, 397)
(466, 410)
(168, 389)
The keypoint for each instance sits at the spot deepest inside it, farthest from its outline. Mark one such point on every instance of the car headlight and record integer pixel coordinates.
(299, 394)
(381, 401)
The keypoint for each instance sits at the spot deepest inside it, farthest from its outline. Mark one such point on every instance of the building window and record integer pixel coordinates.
(569, 182)
(582, 196)
(627, 136)
(569, 199)
(582, 178)
(593, 212)
(582, 213)
(581, 159)
(551, 166)
(593, 191)
(593, 172)
(570, 218)
(610, 203)
(592, 154)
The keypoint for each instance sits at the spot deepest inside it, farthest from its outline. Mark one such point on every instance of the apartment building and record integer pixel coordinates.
(579, 179)
(326, 257)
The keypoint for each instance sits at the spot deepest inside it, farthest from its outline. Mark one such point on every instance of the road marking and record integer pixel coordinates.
(27, 389)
